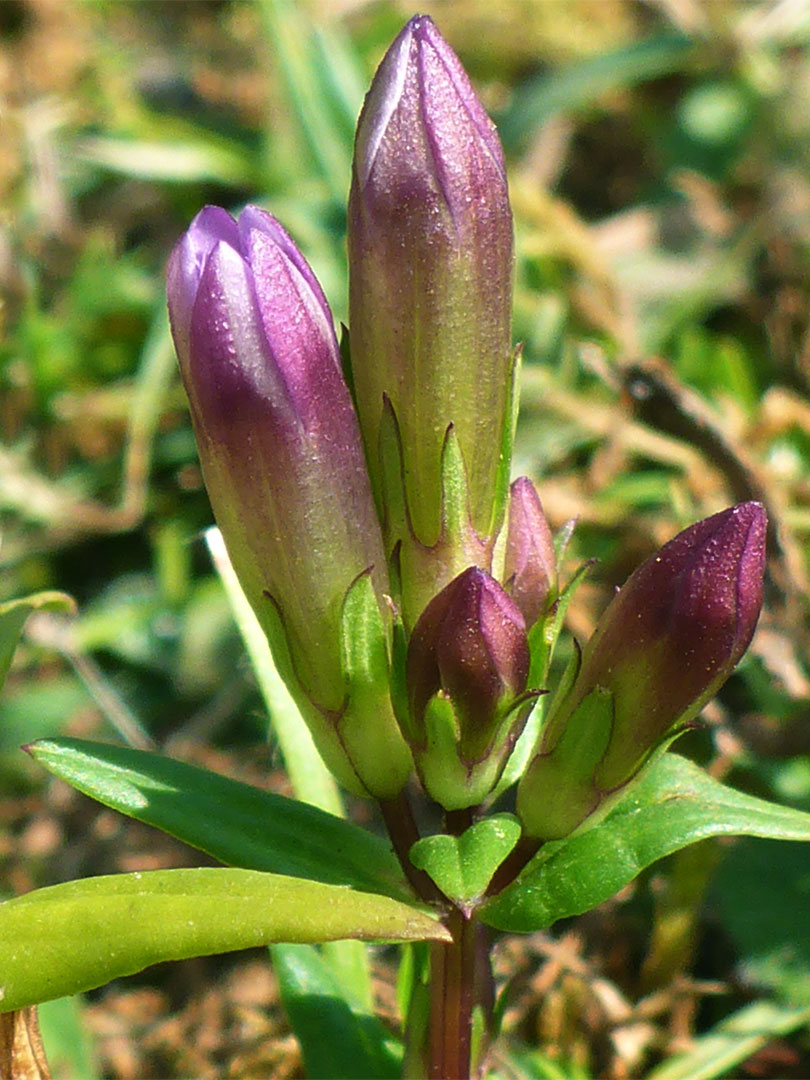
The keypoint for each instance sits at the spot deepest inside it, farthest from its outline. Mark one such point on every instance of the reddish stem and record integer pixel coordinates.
(399, 821)
(460, 983)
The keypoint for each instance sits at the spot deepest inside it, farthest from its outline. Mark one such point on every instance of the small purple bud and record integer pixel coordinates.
(677, 629)
(278, 440)
(467, 666)
(667, 642)
(530, 568)
(430, 268)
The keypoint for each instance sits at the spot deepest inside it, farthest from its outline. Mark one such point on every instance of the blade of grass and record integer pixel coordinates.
(290, 37)
(581, 84)
(732, 1041)
(311, 781)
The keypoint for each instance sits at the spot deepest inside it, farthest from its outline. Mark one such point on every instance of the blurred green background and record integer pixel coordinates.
(659, 158)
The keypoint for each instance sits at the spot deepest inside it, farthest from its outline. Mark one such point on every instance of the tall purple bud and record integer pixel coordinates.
(467, 666)
(666, 643)
(530, 565)
(283, 463)
(430, 262)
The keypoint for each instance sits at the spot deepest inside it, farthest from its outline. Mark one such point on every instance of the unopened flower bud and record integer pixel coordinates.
(467, 665)
(430, 266)
(530, 569)
(283, 462)
(667, 642)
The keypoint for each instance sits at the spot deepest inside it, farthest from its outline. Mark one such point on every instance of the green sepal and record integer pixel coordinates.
(558, 791)
(503, 475)
(438, 759)
(368, 730)
(320, 723)
(455, 496)
(543, 637)
(363, 639)
(620, 780)
(418, 570)
(392, 504)
(452, 781)
(545, 634)
(463, 866)
(586, 736)
(398, 685)
(564, 688)
(519, 757)
(562, 538)
(345, 346)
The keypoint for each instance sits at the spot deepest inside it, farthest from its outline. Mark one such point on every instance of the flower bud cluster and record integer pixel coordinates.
(410, 595)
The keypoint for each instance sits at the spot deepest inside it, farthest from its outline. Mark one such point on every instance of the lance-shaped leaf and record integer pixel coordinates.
(238, 824)
(338, 1040)
(73, 937)
(674, 804)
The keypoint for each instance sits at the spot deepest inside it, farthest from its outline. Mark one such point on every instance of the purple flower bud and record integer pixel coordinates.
(467, 666)
(277, 435)
(530, 568)
(667, 642)
(430, 260)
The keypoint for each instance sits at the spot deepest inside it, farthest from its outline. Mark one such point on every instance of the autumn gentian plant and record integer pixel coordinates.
(411, 599)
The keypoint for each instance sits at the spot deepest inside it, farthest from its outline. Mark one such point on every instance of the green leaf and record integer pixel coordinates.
(761, 892)
(73, 937)
(177, 160)
(238, 824)
(675, 804)
(13, 614)
(36, 709)
(462, 866)
(732, 1041)
(68, 1046)
(536, 1065)
(338, 1041)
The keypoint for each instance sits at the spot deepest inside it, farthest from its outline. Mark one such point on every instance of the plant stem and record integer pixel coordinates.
(460, 984)
(399, 821)
(513, 864)
(461, 988)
